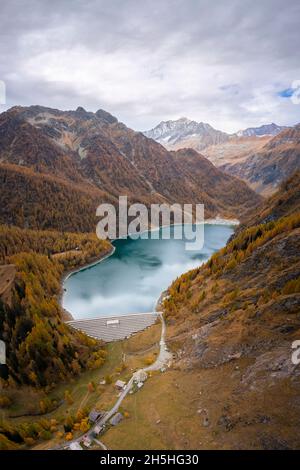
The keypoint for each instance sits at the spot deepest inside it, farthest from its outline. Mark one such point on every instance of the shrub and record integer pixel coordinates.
(292, 287)
(108, 379)
(5, 401)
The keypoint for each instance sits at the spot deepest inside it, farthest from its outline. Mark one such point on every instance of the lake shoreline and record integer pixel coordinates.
(213, 221)
(67, 316)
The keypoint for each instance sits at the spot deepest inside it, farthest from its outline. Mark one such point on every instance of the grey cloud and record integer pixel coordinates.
(222, 62)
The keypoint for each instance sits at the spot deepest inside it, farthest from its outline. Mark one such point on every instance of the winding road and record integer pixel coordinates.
(162, 360)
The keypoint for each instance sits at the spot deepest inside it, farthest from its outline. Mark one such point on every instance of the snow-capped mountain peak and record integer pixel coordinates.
(186, 132)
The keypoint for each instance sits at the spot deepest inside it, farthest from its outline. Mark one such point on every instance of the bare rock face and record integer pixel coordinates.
(271, 366)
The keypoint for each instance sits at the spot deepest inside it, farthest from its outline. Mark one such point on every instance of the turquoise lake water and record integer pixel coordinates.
(133, 277)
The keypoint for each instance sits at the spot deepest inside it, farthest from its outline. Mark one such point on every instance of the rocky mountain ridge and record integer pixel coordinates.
(186, 133)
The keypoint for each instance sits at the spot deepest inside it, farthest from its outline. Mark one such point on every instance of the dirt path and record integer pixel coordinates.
(7, 277)
(84, 399)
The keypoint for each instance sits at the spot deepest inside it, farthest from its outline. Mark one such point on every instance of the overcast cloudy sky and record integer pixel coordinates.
(230, 63)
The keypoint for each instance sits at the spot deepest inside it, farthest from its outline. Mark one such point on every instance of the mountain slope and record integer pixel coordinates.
(274, 162)
(235, 150)
(214, 184)
(284, 202)
(40, 349)
(65, 163)
(231, 325)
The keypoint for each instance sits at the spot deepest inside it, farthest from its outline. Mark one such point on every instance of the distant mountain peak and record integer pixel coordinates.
(104, 115)
(184, 132)
(80, 109)
(184, 119)
(265, 129)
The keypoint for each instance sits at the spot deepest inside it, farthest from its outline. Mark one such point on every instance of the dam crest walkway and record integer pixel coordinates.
(116, 327)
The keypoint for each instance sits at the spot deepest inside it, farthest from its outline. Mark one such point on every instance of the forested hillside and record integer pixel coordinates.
(65, 163)
(72, 249)
(46, 202)
(41, 349)
(234, 320)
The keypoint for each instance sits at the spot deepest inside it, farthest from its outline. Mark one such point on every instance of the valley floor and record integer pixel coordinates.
(177, 409)
(123, 358)
(190, 409)
(206, 409)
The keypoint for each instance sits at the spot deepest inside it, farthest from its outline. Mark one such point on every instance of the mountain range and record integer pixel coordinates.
(184, 132)
(265, 129)
(65, 163)
(262, 156)
(230, 322)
